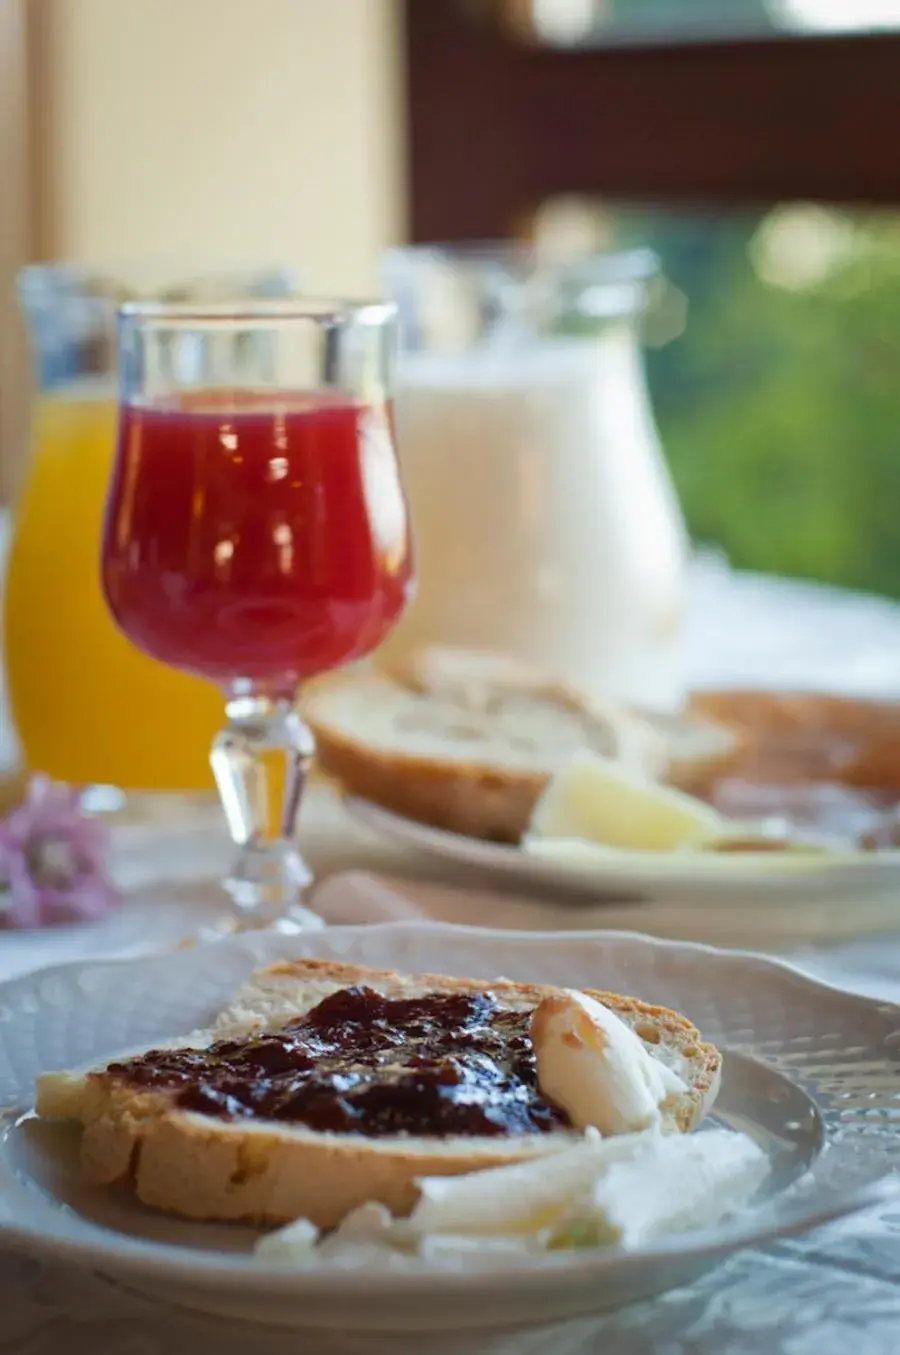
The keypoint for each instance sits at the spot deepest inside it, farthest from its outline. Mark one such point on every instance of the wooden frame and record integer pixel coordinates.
(496, 127)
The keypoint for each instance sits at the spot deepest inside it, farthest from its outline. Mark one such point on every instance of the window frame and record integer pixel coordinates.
(496, 126)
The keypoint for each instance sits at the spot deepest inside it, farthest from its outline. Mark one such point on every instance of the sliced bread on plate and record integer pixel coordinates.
(467, 743)
(164, 1121)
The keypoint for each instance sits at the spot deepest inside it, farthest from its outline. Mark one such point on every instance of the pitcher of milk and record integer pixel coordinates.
(546, 523)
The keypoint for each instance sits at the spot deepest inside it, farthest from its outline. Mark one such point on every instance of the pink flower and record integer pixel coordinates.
(52, 860)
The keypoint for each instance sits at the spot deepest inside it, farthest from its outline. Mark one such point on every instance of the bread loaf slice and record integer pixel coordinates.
(205, 1167)
(468, 742)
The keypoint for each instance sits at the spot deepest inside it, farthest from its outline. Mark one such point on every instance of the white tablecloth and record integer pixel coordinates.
(753, 630)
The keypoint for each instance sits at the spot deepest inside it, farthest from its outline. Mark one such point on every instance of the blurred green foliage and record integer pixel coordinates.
(779, 405)
(664, 16)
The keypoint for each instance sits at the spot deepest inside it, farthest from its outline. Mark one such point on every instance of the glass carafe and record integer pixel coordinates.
(547, 527)
(85, 703)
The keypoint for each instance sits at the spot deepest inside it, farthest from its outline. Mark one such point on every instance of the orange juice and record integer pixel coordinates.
(89, 707)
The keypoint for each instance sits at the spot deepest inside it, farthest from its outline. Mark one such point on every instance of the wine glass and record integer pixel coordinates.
(257, 534)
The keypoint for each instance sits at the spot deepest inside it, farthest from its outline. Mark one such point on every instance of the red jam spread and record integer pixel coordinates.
(441, 1064)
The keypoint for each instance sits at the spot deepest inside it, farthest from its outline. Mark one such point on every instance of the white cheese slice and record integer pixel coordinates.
(673, 1183)
(289, 1244)
(627, 1190)
(526, 1197)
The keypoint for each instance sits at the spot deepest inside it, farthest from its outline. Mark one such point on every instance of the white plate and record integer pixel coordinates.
(812, 1073)
(721, 878)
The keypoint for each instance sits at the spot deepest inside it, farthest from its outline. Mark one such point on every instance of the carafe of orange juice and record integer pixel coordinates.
(87, 705)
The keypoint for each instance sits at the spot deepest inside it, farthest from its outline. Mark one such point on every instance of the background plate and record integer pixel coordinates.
(721, 879)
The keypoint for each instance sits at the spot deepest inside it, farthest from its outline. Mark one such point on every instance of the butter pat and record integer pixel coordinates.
(594, 1067)
(603, 801)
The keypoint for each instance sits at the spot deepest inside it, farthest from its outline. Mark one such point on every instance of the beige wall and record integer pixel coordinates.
(15, 233)
(224, 130)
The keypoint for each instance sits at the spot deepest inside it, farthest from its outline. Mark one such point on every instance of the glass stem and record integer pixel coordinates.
(269, 876)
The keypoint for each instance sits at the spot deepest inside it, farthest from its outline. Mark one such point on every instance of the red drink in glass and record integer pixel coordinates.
(256, 534)
(262, 539)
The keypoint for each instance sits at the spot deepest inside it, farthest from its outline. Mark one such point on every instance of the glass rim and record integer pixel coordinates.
(143, 279)
(178, 262)
(253, 310)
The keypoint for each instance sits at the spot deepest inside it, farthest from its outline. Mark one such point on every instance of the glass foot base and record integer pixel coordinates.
(296, 919)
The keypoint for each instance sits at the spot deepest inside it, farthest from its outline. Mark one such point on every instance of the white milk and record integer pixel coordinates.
(544, 520)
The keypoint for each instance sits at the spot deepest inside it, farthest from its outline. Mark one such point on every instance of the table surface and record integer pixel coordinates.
(816, 1295)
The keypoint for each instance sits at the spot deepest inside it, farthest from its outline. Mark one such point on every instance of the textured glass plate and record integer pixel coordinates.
(812, 1073)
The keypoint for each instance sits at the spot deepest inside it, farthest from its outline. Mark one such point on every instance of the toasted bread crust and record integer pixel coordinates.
(469, 798)
(256, 1171)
